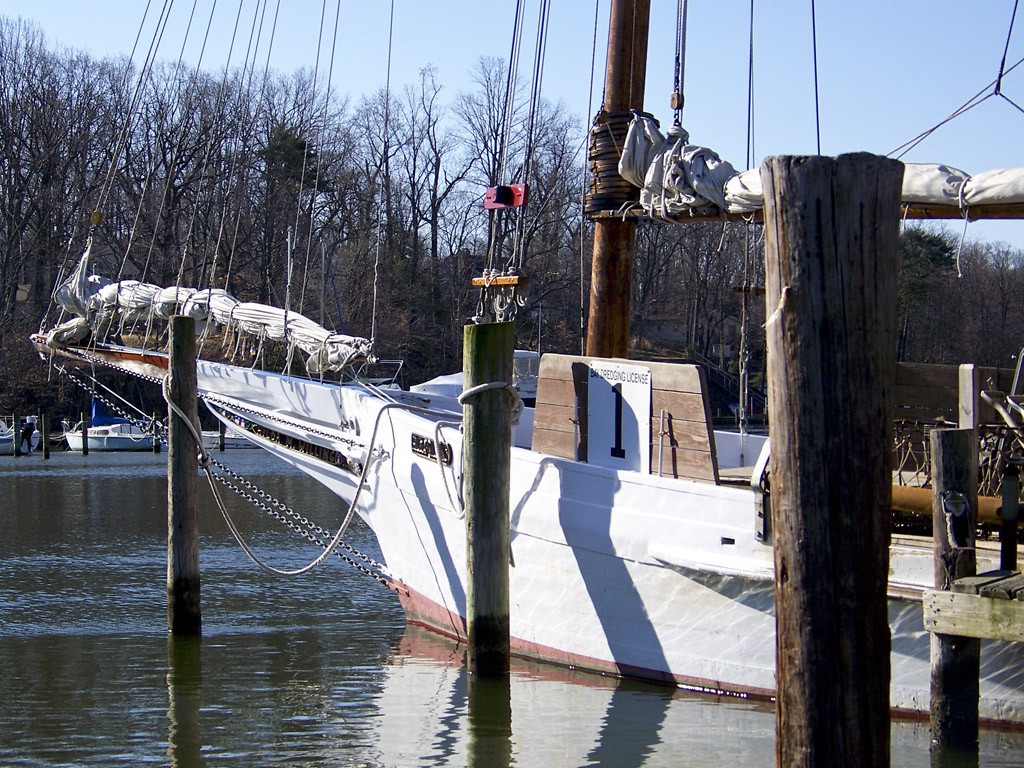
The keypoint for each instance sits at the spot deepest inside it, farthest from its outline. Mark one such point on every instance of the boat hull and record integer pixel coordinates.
(99, 441)
(614, 571)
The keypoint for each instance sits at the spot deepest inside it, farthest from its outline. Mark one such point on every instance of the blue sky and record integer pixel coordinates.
(886, 70)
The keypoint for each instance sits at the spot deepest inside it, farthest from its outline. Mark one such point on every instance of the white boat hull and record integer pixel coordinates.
(8, 441)
(107, 439)
(613, 571)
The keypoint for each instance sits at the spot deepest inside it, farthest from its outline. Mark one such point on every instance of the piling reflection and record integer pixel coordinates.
(184, 694)
(489, 722)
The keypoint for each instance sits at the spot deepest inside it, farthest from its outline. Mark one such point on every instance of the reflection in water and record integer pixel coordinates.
(545, 715)
(184, 693)
(490, 722)
(313, 671)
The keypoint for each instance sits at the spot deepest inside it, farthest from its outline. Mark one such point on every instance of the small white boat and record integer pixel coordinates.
(8, 439)
(232, 439)
(121, 435)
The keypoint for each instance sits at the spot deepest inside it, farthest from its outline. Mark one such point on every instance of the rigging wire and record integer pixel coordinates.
(204, 278)
(583, 191)
(144, 72)
(248, 76)
(1006, 48)
(748, 249)
(678, 98)
(172, 167)
(383, 160)
(977, 99)
(495, 217)
(517, 257)
(320, 142)
(994, 88)
(814, 45)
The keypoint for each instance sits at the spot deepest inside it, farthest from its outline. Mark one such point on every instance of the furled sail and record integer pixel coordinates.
(98, 303)
(677, 178)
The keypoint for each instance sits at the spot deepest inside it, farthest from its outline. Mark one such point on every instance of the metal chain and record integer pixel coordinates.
(134, 420)
(298, 523)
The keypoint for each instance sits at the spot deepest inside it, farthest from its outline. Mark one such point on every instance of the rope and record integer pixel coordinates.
(204, 463)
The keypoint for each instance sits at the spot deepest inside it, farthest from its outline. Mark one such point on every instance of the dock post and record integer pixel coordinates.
(85, 433)
(487, 445)
(955, 660)
(16, 426)
(183, 605)
(220, 435)
(44, 424)
(832, 229)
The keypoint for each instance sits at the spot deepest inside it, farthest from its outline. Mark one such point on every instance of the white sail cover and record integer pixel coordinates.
(677, 178)
(75, 293)
(95, 301)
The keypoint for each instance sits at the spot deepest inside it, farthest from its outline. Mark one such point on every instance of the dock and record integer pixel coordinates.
(989, 606)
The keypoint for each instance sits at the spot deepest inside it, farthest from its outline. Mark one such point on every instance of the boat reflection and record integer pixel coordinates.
(433, 713)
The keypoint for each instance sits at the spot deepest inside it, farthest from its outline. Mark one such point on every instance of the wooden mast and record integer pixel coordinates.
(611, 273)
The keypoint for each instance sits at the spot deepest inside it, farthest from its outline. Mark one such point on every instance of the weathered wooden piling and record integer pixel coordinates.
(487, 445)
(955, 660)
(832, 229)
(220, 436)
(183, 604)
(156, 436)
(16, 435)
(44, 425)
(85, 433)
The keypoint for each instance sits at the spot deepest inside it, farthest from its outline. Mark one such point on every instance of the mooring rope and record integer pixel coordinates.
(204, 463)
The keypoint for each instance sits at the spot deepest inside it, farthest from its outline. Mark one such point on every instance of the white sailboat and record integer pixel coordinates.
(121, 435)
(651, 564)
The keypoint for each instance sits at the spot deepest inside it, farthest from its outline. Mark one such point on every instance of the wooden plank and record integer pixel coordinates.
(554, 443)
(929, 392)
(969, 585)
(686, 451)
(951, 613)
(1004, 589)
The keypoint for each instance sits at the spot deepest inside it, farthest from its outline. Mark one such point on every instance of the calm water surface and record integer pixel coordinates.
(316, 670)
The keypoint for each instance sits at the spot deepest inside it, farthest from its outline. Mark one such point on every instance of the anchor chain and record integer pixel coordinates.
(294, 520)
(254, 494)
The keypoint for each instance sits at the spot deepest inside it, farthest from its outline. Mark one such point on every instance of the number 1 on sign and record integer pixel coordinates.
(617, 450)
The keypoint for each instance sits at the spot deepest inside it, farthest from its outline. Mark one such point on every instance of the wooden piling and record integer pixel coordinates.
(16, 435)
(85, 433)
(220, 435)
(183, 604)
(44, 424)
(1009, 515)
(487, 446)
(156, 436)
(832, 229)
(955, 660)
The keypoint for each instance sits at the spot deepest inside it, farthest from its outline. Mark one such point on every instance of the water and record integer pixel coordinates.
(316, 670)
